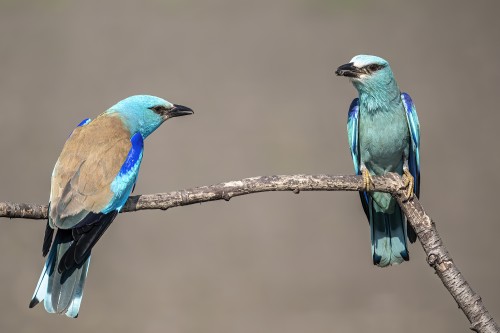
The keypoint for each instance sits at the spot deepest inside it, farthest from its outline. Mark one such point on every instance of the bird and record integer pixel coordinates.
(384, 136)
(91, 181)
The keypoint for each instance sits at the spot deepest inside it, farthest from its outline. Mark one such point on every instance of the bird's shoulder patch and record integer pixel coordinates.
(84, 122)
(354, 109)
(412, 118)
(80, 124)
(124, 182)
(407, 101)
(134, 155)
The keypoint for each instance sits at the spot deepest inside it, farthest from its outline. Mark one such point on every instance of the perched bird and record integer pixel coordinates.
(384, 136)
(91, 181)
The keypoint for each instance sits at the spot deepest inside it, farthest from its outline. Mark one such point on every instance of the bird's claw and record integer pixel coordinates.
(409, 183)
(367, 180)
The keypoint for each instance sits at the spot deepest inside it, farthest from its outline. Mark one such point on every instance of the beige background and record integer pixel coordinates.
(260, 76)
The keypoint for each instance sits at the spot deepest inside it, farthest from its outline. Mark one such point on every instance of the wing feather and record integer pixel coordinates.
(89, 162)
(414, 126)
(353, 136)
(352, 133)
(414, 153)
(92, 180)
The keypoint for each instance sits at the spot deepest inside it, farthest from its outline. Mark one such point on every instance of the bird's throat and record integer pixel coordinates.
(382, 100)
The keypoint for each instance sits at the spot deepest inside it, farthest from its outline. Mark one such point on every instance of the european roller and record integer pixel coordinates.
(91, 181)
(384, 136)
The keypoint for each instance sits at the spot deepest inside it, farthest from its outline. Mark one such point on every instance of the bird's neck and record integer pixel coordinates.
(379, 96)
(136, 124)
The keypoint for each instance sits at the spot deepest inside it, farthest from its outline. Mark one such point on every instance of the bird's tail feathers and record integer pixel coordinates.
(388, 234)
(61, 292)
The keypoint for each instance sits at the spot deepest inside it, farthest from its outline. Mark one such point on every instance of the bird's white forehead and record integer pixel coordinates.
(362, 60)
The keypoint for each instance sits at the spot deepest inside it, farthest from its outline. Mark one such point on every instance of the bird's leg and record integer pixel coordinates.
(408, 181)
(367, 179)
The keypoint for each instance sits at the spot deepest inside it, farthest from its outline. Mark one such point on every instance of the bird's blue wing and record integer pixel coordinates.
(352, 133)
(353, 136)
(414, 155)
(84, 122)
(124, 182)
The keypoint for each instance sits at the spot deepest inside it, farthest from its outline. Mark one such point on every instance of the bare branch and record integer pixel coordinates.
(437, 255)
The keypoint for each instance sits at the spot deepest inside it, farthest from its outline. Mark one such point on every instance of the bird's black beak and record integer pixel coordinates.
(179, 110)
(348, 70)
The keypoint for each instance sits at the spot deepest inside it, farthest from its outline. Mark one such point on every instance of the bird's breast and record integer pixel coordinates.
(383, 140)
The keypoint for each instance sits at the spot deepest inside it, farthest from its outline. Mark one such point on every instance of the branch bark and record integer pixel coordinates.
(437, 255)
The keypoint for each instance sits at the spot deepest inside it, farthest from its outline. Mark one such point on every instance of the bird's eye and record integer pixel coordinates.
(160, 109)
(374, 67)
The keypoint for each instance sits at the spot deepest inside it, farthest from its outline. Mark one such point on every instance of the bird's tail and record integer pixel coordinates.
(388, 235)
(61, 292)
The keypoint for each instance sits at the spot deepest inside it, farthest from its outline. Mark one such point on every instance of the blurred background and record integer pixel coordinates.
(260, 76)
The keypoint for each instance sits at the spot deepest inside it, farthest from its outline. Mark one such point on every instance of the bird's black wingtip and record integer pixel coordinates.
(34, 302)
(412, 235)
(405, 255)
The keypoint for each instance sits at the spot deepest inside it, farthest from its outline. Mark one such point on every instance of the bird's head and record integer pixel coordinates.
(367, 72)
(145, 113)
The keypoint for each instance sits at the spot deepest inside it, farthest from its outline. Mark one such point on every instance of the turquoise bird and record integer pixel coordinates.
(91, 181)
(384, 136)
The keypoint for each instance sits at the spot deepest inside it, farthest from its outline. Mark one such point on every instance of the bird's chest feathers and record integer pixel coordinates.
(383, 138)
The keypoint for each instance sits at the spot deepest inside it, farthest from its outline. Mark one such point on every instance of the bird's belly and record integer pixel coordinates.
(383, 145)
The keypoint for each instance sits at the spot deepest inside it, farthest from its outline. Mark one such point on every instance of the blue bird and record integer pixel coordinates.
(384, 136)
(91, 181)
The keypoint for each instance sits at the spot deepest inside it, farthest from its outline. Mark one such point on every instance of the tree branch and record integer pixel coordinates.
(437, 255)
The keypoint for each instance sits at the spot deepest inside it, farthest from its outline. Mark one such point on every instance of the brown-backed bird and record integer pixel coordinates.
(91, 181)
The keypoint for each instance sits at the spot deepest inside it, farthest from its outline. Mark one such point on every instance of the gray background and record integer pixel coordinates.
(259, 75)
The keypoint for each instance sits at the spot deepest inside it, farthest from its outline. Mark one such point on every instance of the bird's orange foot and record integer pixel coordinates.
(367, 180)
(409, 183)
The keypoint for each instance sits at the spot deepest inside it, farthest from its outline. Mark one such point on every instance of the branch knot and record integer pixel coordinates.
(432, 259)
